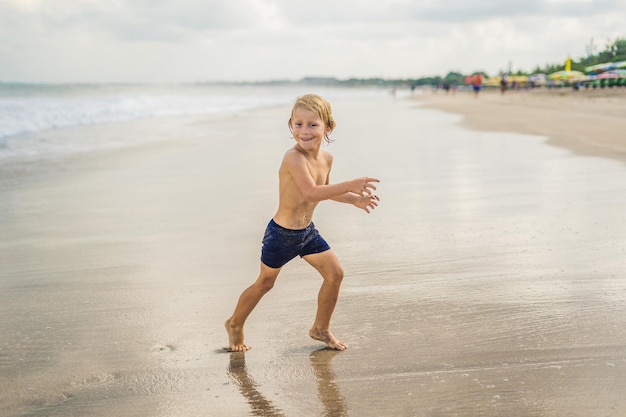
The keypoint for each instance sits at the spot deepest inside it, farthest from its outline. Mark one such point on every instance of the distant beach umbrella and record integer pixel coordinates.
(611, 75)
(566, 75)
(518, 78)
(492, 82)
(599, 68)
(538, 79)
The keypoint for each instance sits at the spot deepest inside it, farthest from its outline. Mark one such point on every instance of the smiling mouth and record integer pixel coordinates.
(306, 139)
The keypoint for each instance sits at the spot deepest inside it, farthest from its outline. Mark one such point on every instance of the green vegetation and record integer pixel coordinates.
(615, 51)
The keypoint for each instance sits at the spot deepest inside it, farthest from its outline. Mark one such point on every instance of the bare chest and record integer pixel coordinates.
(319, 172)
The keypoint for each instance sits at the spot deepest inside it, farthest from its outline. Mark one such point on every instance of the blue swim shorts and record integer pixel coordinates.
(280, 245)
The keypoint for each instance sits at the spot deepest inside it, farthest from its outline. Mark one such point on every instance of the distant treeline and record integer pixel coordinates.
(615, 51)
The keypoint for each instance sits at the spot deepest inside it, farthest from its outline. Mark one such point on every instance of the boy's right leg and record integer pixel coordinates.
(248, 299)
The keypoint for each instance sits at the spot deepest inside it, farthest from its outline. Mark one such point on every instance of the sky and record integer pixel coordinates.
(258, 40)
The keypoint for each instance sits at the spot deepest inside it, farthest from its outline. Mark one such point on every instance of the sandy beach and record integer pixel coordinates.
(589, 121)
(490, 281)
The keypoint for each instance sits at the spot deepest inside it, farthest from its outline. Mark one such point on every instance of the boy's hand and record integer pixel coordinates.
(367, 202)
(364, 186)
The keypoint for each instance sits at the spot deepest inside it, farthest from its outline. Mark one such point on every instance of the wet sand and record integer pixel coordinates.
(589, 121)
(489, 282)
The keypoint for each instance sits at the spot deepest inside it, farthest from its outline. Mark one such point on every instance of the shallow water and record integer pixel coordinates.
(489, 282)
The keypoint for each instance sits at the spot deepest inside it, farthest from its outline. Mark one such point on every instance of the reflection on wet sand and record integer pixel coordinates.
(248, 387)
(327, 390)
(333, 402)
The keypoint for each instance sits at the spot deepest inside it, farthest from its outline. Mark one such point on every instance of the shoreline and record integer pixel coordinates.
(586, 122)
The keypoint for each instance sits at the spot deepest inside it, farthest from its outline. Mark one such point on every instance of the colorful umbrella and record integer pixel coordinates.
(566, 75)
(537, 77)
(598, 68)
(518, 78)
(611, 75)
(492, 82)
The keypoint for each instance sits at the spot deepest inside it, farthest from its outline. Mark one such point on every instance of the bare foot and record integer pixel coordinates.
(235, 338)
(328, 338)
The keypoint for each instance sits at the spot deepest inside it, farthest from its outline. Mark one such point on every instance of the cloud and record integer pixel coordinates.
(475, 11)
(130, 21)
(372, 11)
(190, 40)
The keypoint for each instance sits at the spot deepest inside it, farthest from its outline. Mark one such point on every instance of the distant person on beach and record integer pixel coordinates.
(304, 181)
(477, 82)
(504, 81)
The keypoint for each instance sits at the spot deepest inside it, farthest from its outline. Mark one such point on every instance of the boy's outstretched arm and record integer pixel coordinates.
(364, 202)
(358, 187)
(296, 164)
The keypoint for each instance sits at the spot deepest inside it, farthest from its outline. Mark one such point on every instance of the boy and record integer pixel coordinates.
(303, 182)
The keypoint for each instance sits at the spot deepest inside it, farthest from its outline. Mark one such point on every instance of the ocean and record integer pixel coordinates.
(34, 117)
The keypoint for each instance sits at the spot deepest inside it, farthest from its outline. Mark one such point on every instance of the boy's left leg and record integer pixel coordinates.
(329, 267)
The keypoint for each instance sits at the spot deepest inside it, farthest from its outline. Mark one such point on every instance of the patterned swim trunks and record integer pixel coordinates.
(280, 245)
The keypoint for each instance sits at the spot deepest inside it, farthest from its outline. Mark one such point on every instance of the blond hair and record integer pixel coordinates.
(318, 105)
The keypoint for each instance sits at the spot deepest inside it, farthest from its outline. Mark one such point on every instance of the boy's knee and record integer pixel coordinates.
(336, 276)
(265, 285)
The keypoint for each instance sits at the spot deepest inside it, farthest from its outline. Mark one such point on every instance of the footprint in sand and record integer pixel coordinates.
(159, 348)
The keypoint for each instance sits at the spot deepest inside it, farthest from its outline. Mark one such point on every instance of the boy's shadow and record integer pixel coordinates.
(238, 373)
(327, 391)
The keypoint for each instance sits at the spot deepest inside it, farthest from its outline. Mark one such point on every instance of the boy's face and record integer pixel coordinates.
(308, 128)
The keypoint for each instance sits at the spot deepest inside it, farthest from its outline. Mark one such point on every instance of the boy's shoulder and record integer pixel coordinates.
(293, 154)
